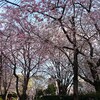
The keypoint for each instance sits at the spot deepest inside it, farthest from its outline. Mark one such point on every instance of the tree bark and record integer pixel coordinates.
(97, 86)
(0, 71)
(95, 77)
(4, 95)
(75, 61)
(75, 78)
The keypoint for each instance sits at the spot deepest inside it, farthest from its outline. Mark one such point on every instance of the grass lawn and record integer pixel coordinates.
(0, 98)
(12, 99)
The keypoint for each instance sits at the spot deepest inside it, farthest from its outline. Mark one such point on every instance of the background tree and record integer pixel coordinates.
(21, 58)
(6, 79)
(59, 70)
(75, 19)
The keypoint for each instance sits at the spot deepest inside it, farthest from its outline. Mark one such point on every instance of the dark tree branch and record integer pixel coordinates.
(87, 9)
(11, 3)
(86, 79)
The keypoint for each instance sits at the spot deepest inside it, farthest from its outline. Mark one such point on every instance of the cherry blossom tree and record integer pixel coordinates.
(77, 19)
(23, 51)
(6, 79)
(90, 35)
(60, 70)
(22, 55)
(71, 11)
(6, 72)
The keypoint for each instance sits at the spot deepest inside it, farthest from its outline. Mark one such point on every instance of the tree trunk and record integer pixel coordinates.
(75, 61)
(95, 77)
(4, 96)
(75, 78)
(25, 84)
(0, 72)
(59, 87)
(62, 90)
(97, 86)
(23, 97)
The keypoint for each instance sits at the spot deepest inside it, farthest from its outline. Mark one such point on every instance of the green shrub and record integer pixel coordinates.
(57, 98)
(39, 94)
(89, 96)
(14, 95)
(51, 89)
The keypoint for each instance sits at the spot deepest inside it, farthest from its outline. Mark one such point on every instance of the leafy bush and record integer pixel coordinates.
(14, 95)
(51, 90)
(39, 94)
(89, 96)
(57, 98)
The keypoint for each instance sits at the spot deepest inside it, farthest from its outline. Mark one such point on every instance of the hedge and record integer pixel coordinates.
(91, 96)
